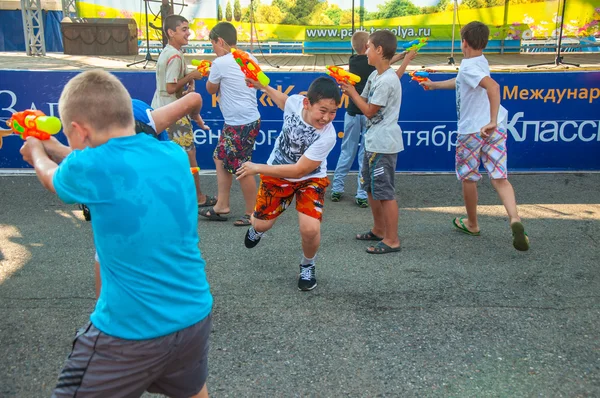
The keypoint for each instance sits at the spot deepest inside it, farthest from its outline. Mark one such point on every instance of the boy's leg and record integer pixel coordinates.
(249, 190)
(378, 216)
(273, 197)
(390, 209)
(494, 158)
(347, 153)
(182, 134)
(361, 194)
(310, 199)
(97, 277)
(468, 152)
(224, 181)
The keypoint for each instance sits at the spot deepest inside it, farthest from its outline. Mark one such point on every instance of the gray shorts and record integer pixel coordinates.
(378, 172)
(99, 365)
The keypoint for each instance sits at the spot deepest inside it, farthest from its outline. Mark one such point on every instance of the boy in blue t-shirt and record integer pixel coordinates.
(150, 328)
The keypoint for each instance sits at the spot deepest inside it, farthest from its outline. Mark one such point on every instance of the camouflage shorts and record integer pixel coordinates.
(182, 133)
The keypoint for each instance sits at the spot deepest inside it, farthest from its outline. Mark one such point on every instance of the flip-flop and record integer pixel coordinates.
(243, 221)
(368, 236)
(463, 228)
(520, 238)
(213, 216)
(210, 201)
(382, 248)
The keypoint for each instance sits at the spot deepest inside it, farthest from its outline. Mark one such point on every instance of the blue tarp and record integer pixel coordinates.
(12, 37)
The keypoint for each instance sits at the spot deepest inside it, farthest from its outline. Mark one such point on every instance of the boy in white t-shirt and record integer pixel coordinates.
(481, 133)
(297, 167)
(242, 124)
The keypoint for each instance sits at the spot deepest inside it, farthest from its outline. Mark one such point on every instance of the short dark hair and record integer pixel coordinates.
(323, 88)
(225, 31)
(172, 22)
(386, 40)
(476, 34)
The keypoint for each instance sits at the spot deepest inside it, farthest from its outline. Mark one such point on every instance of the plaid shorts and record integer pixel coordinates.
(182, 133)
(236, 144)
(276, 194)
(472, 150)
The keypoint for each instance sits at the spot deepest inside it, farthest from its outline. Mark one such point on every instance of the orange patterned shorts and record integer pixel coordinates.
(276, 194)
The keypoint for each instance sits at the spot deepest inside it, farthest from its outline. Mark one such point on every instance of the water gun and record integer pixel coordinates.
(32, 123)
(249, 67)
(421, 76)
(415, 45)
(203, 66)
(341, 76)
(195, 170)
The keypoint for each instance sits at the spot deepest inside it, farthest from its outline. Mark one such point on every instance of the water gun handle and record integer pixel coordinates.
(203, 66)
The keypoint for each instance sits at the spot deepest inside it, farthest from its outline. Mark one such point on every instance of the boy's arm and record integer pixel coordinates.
(369, 110)
(493, 92)
(398, 57)
(298, 170)
(33, 153)
(212, 88)
(56, 150)
(167, 115)
(278, 97)
(172, 88)
(440, 85)
(409, 57)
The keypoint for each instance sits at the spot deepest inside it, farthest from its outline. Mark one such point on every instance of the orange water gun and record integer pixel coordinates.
(249, 67)
(195, 170)
(32, 123)
(342, 76)
(203, 66)
(421, 76)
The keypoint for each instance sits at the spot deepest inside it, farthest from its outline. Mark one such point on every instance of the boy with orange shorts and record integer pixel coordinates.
(297, 168)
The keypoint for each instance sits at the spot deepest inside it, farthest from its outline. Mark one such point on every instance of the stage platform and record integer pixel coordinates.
(298, 62)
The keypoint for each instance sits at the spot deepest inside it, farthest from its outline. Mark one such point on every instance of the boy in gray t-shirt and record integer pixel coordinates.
(380, 103)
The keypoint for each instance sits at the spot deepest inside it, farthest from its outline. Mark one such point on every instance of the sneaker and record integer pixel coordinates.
(336, 196)
(252, 238)
(307, 279)
(362, 203)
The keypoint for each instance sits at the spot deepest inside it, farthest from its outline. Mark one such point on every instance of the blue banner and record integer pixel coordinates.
(553, 123)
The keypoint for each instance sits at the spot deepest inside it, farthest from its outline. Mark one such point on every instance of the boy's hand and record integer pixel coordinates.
(29, 147)
(488, 130)
(247, 169)
(255, 84)
(410, 56)
(427, 84)
(55, 149)
(198, 119)
(190, 88)
(195, 74)
(348, 89)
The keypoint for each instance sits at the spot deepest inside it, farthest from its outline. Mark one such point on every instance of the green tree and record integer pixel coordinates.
(397, 8)
(219, 13)
(283, 5)
(334, 13)
(228, 14)
(237, 10)
(269, 14)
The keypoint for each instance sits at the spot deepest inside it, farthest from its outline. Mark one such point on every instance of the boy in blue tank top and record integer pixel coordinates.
(150, 328)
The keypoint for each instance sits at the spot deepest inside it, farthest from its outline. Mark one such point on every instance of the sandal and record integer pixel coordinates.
(210, 201)
(520, 238)
(211, 214)
(243, 221)
(368, 236)
(382, 248)
(463, 228)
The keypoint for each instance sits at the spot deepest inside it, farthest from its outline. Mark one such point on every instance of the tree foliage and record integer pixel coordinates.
(237, 10)
(228, 13)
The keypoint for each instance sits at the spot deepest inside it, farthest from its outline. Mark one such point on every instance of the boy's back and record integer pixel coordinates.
(383, 132)
(237, 101)
(142, 195)
(359, 65)
(472, 102)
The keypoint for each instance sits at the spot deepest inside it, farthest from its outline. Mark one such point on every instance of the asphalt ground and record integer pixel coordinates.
(450, 316)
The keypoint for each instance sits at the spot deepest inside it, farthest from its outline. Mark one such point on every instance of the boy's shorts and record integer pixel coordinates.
(236, 144)
(472, 150)
(182, 133)
(276, 194)
(378, 172)
(99, 365)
